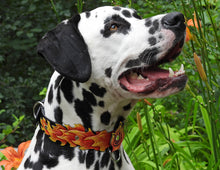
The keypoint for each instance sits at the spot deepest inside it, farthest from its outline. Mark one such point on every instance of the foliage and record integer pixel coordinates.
(179, 132)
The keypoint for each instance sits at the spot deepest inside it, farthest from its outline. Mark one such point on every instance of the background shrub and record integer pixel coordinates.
(179, 132)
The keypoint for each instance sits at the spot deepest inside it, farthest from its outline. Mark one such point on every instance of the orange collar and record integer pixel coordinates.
(77, 136)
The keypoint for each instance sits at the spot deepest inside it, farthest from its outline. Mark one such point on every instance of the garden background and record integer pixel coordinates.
(178, 132)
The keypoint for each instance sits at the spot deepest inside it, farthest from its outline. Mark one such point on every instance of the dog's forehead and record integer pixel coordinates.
(107, 11)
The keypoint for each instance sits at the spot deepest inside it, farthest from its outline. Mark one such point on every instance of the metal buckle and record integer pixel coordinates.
(114, 158)
(37, 110)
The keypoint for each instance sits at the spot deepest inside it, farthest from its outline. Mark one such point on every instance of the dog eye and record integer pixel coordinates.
(113, 27)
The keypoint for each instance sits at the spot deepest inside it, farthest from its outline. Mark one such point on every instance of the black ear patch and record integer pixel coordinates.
(65, 49)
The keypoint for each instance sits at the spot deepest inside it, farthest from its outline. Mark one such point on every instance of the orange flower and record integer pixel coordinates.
(188, 35)
(14, 157)
(191, 23)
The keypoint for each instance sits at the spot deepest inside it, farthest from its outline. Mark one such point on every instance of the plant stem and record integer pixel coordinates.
(54, 8)
(147, 117)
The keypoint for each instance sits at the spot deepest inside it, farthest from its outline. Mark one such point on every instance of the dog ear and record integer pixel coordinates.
(65, 49)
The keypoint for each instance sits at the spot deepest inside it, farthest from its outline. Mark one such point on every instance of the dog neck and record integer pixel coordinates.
(88, 104)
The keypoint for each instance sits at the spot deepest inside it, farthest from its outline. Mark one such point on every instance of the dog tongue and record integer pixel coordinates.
(155, 73)
(138, 84)
(134, 85)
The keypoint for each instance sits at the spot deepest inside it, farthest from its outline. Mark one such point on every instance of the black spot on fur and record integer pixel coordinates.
(45, 159)
(77, 83)
(126, 13)
(50, 153)
(98, 91)
(90, 157)
(132, 63)
(155, 27)
(117, 155)
(148, 22)
(97, 165)
(123, 26)
(105, 159)
(57, 81)
(101, 104)
(148, 56)
(37, 166)
(108, 72)
(105, 118)
(120, 119)
(99, 153)
(152, 30)
(152, 41)
(67, 89)
(50, 95)
(127, 107)
(112, 165)
(89, 97)
(136, 15)
(83, 110)
(28, 163)
(55, 149)
(39, 139)
(156, 24)
(87, 14)
(125, 157)
(117, 8)
(58, 95)
(82, 156)
(58, 114)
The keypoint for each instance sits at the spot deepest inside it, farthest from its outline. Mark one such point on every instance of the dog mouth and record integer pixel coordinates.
(147, 80)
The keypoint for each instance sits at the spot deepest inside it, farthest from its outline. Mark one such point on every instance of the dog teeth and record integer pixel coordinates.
(181, 71)
(133, 75)
(140, 77)
(182, 68)
(171, 72)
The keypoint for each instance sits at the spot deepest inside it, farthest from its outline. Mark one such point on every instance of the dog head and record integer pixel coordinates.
(115, 48)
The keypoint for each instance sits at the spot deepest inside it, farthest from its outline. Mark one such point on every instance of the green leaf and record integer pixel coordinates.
(18, 33)
(2, 111)
(43, 92)
(206, 120)
(36, 30)
(7, 130)
(2, 135)
(11, 138)
(30, 34)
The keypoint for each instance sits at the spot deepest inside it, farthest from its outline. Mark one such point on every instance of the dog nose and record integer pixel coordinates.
(173, 21)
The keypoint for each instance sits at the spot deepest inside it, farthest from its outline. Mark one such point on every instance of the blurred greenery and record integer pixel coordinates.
(179, 132)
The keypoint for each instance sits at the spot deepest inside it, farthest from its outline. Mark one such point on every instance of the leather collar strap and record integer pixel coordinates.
(78, 136)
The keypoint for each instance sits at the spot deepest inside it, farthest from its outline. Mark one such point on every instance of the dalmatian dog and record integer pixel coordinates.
(105, 60)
